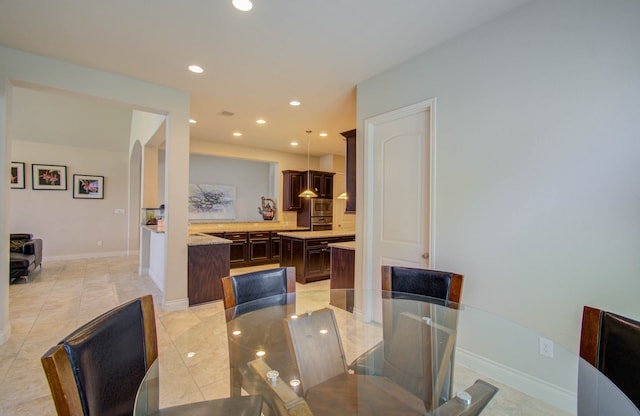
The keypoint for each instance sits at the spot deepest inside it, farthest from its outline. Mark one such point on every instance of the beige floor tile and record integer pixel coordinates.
(66, 294)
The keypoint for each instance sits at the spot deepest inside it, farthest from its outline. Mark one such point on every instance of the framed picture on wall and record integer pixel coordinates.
(88, 187)
(49, 177)
(17, 175)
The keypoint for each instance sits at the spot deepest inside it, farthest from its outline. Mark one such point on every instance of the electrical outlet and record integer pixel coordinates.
(546, 347)
(99, 243)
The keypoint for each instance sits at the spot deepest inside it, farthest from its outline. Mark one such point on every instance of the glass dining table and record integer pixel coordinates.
(393, 354)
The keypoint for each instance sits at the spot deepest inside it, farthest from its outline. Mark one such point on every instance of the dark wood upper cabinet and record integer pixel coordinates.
(350, 137)
(322, 183)
(293, 185)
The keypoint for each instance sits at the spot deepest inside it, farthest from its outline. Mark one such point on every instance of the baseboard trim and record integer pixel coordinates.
(85, 256)
(540, 389)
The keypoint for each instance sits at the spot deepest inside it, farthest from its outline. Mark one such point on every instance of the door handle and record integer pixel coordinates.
(425, 256)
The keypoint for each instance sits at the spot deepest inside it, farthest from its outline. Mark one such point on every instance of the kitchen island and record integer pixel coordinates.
(343, 260)
(309, 252)
(208, 263)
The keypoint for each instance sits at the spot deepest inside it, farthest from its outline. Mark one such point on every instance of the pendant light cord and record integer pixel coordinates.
(308, 164)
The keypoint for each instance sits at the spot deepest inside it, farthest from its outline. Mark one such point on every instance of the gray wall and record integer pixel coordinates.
(251, 179)
(538, 159)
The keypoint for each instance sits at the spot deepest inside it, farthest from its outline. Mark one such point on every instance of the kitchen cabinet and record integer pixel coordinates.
(239, 247)
(293, 184)
(252, 248)
(259, 246)
(310, 256)
(322, 183)
(350, 165)
(275, 245)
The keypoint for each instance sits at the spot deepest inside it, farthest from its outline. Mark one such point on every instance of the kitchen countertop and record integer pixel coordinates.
(212, 227)
(305, 235)
(206, 240)
(347, 245)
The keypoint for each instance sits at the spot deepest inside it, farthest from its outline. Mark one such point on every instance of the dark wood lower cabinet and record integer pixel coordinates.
(253, 248)
(343, 261)
(207, 264)
(311, 256)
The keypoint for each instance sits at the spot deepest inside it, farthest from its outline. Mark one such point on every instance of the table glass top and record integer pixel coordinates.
(393, 354)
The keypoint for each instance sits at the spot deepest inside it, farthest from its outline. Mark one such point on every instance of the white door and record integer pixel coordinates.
(399, 187)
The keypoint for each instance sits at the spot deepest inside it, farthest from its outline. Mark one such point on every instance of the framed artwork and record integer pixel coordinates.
(17, 175)
(49, 177)
(88, 187)
(212, 202)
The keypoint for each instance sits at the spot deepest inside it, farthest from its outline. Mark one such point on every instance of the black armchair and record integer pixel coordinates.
(25, 254)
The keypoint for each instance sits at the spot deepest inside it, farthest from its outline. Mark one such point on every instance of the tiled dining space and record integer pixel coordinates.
(66, 294)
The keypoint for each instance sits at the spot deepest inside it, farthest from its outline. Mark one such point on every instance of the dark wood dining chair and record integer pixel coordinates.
(441, 285)
(418, 357)
(97, 369)
(611, 343)
(256, 290)
(439, 288)
(315, 343)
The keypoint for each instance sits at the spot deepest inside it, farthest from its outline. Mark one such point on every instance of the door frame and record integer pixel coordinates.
(369, 175)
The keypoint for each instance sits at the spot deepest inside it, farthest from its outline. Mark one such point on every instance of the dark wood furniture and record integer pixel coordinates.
(343, 261)
(99, 367)
(437, 284)
(252, 248)
(322, 183)
(293, 183)
(350, 137)
(611, 343)
(437, 287)
(315, 344)
(248, 287)
(309, 255)
(207, 264)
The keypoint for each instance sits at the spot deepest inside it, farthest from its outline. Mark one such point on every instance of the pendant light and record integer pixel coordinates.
(308, 193)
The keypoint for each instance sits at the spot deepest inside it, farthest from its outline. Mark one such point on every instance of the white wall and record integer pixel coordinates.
(537, 177)
(72, 227)
(21, 69)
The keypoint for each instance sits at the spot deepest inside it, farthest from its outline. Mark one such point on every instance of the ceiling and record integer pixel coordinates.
(254, 62)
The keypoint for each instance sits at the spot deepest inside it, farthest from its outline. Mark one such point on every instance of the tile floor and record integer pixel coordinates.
(66, 294)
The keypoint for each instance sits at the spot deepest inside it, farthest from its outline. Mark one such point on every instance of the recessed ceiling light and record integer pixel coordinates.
(196, 69)
(261, 121)
(294, 103)
(237, 133)
(242, 5)
(192, 121)
(323, 134)
(294, 144)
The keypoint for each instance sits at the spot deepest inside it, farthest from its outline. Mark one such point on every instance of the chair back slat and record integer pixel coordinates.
(315, 343)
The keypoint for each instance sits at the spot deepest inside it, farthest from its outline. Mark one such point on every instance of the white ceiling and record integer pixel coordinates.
(255, 62)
